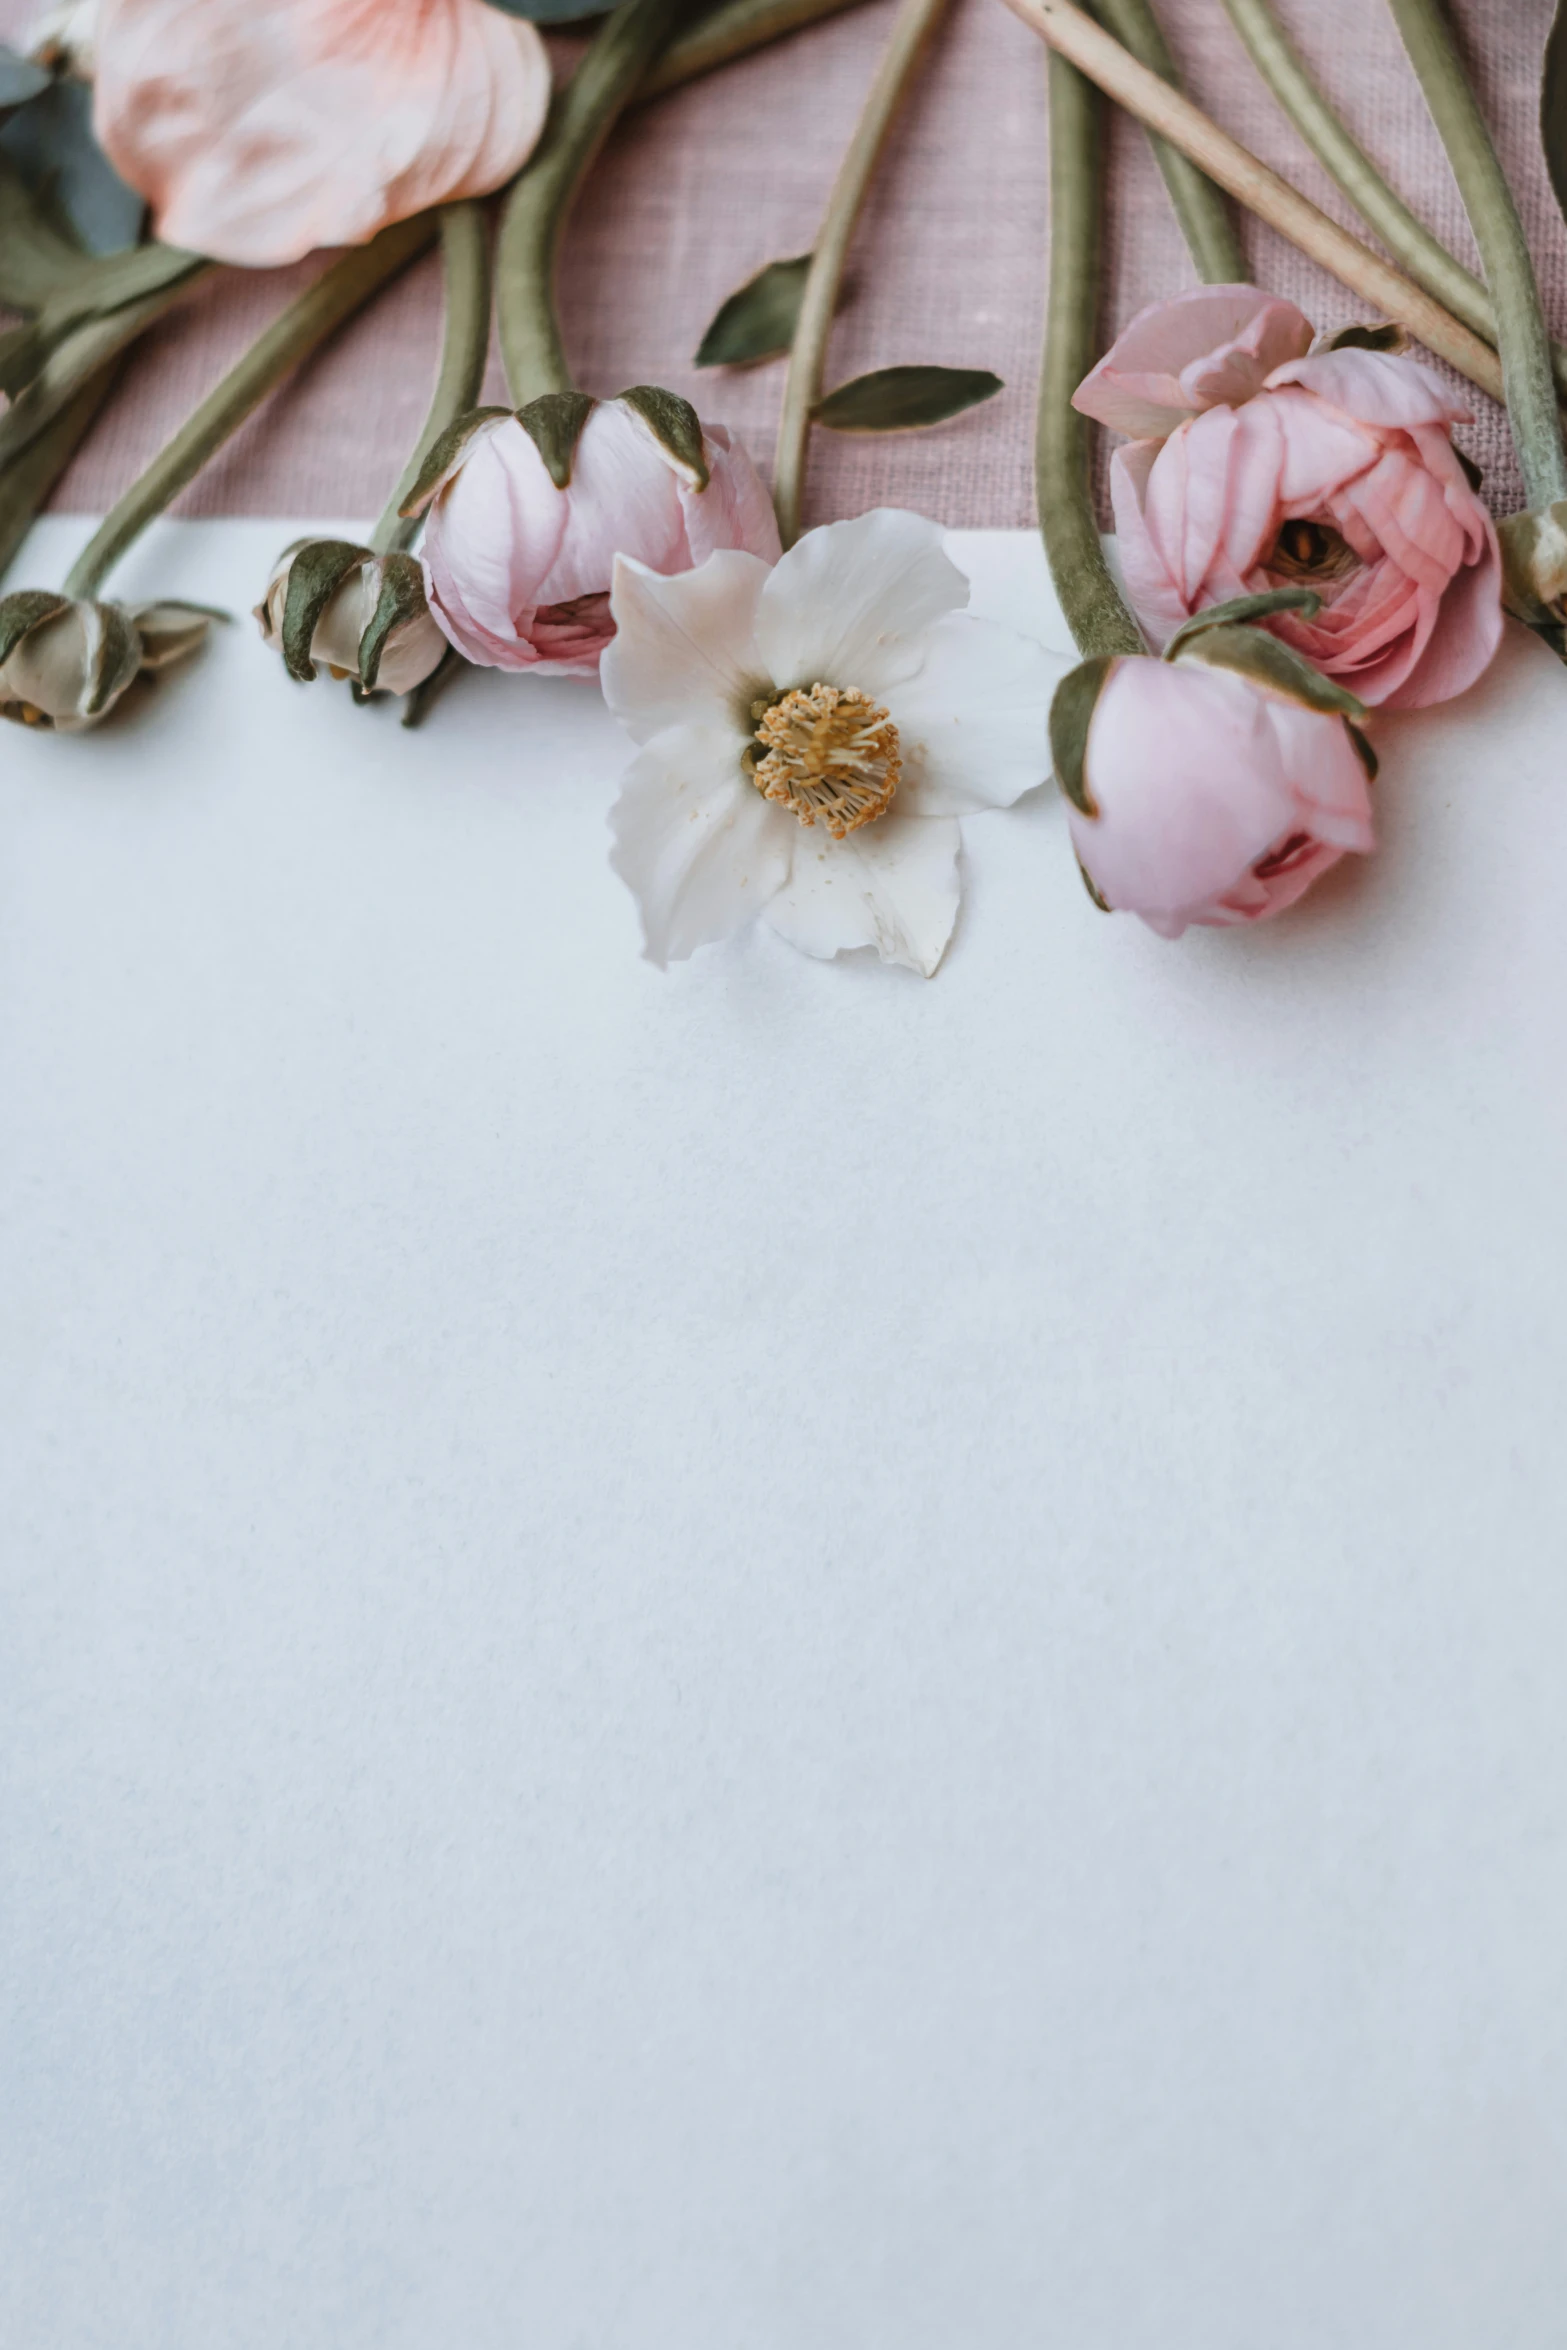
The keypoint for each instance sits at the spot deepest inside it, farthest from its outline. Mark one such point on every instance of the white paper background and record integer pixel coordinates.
(769, 1659)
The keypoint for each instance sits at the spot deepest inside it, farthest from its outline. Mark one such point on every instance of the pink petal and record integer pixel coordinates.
(1207, 346)
(259, 132)
(1375, 387)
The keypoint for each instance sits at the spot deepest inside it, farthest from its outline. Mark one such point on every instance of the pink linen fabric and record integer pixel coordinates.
(688, 200)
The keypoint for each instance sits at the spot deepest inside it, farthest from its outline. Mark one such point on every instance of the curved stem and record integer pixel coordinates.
(1383, 210)
(1504, 252)
(911, 32)
(1199, 206)
(1092, 50)
(1095, 611)
(82, 353)
(307, 321)
(465, 346)
(580, 120)
(731, 32)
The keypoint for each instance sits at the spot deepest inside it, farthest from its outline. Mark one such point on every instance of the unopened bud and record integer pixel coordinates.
(367, 616)
(65, 663)
(1534, 570)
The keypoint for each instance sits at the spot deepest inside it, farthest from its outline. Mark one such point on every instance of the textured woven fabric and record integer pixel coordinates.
(699, 189)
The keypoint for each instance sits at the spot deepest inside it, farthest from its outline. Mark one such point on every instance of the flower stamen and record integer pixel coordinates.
(828, 754)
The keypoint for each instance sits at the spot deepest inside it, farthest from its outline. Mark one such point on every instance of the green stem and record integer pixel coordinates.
(1200, 207)
(27, 481)
(465, 346)
(81, 354)
(1383, 210)
(1522, 342)
(731, 32)
(307, 321)
(1095, 611)
(581, 118)
(911, 32)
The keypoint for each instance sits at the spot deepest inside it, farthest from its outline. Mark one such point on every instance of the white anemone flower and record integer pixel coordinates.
(812, 731)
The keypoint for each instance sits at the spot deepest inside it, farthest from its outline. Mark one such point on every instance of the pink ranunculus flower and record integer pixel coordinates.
(259, 129)
(521, 564)
(1255, 466)
(1216, 800)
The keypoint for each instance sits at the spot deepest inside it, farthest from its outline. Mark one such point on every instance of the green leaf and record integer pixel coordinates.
(20, 79)
(52, 146)
(402, 598)
(550, 11)
(23, 610)
(903, 399)
(1240, 609)
(115, 658)
(445, 454)
(1071, 715)
(1553, 105)
(314, 577)
(36, 256)
(1263, 661)
(758, 320)
(553, 423)
(676, 427)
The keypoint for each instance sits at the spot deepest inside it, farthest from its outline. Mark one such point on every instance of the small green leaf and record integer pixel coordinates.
(52, 146)
(903, 399)
(550, 11)
(402, 597)
(23, 610)
(1263, 661)
(1553, 105)
(1239, 609)
(445, 454)
(759, 319)
(676, 427)
(1369, 338)
(553, 423)
(314, 577)
(20, 79)
(1071, 715)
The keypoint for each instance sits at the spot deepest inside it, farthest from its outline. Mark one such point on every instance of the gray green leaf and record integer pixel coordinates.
(675, 425)
(905, 399)
(1262, 660)
(314, 577)
(445, 455)
(759, 318)
(553, 423)
(1071, 715)
(20, 79)
(1240, 609)
(52, 146)
(402, 598)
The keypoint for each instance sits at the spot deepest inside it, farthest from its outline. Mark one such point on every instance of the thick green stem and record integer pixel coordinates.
(731, 32)
(1094, 608)
(911, 32)
(27, 481)
(1383, 210)
(80, 354)
(581, 118)
(335, 295)
(1200, 207)
(1522, 342)
(465, 346)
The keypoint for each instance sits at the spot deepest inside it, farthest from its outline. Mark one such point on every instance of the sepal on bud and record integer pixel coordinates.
(367, 616)
(1534, 572)
(65, 662)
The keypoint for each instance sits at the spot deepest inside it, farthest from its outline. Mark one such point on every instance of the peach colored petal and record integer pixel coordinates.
(1375, 387)
(260, 129)
(1212, 346)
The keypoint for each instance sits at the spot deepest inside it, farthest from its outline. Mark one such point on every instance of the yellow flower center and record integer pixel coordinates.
(828, 754)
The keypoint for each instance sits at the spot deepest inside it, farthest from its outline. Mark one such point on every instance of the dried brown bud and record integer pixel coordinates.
(1534, 570)
(366, 616)
(65, 663)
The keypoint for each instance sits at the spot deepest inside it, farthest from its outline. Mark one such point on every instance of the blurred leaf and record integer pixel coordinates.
(95, 288)
(1553, 105)
(50, 143)
(36, 256)
(757, 321)
(550, 11)
(901, 399)
(20, 79)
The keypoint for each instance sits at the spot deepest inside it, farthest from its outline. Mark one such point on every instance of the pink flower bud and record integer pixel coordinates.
(521, 560)
(1214, 799)
(1256, 467)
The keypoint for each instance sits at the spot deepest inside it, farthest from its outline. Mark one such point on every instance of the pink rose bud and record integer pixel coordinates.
(1254, 466)
(529, 510)
(1212, 787)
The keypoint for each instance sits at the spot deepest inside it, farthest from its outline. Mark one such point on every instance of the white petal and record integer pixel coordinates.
(698, 847)
(683, 651)
(849, 604)
(892, 885)
(974, 723)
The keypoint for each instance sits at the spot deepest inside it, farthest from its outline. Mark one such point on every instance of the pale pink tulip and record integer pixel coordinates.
(1256, 467)
(521, 571)
(1218, 802)
(258, 129)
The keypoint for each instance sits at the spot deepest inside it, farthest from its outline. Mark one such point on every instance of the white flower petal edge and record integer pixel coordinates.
(684, 650)
(699, 849)
(893, 886)
(850, 603)
(974, 722)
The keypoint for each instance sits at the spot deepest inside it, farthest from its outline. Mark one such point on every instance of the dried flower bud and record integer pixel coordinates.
(65, 664)
(366, 616)
(1534, 571)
